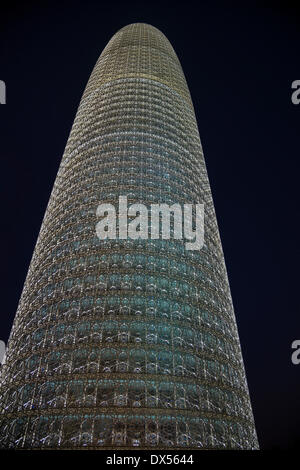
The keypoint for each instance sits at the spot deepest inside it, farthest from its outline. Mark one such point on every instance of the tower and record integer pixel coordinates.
(123, 343)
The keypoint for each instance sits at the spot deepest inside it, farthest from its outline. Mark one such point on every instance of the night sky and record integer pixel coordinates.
(239, 62)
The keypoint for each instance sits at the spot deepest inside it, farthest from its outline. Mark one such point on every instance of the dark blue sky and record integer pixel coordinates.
(239, 62)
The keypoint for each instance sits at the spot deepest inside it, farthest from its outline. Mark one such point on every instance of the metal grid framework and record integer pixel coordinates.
(127, 343)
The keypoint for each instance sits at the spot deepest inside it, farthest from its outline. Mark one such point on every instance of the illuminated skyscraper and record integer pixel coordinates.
(127, 343)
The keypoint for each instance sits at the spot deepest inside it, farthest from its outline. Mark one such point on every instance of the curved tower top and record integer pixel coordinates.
(140, 51)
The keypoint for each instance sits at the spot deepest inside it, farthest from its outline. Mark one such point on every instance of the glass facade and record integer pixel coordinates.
(127, 343)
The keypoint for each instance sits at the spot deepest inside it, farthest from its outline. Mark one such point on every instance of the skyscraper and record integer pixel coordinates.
(127, 343)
